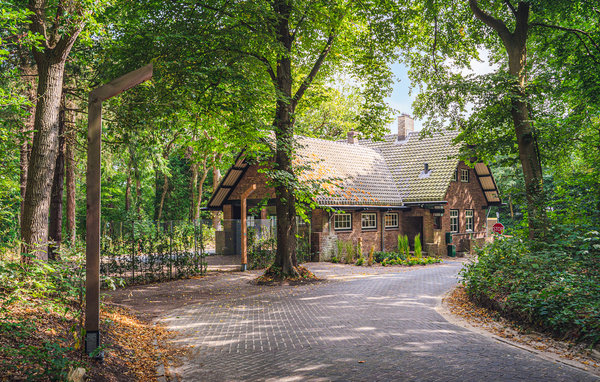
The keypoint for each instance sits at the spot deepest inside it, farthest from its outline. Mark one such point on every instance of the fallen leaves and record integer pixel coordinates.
(459, 304)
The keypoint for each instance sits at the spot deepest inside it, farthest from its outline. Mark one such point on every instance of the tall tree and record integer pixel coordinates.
(502, 112)
(294, 43)
(58, 24)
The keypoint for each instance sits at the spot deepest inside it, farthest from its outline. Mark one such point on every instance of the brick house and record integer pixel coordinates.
(408, 183)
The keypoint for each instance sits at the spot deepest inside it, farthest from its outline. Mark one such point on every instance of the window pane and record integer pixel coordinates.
(342, 221)
(369, 220)
(391, 220)
(454, 220)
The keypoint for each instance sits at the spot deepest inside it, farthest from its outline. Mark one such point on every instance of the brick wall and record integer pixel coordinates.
(464, 196)
(252, 176)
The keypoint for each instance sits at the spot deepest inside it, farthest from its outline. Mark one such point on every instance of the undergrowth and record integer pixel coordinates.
(554, 286)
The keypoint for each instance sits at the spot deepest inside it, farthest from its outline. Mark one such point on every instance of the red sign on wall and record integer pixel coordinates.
(498, 228)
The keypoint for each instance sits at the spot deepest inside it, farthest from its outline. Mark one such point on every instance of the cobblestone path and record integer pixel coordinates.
(379, 327)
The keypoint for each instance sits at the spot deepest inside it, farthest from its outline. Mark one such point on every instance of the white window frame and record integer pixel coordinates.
(393, 220)
(455, 175)
(469, 214)
(368, 220)
(464, 175)
(344, 224)
(454, 220)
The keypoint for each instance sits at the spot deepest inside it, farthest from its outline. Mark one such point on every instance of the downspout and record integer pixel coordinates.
(382, 213)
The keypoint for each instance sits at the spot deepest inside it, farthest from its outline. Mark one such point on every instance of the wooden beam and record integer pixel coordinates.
(119, 85)
(93, 182)
(245, 195)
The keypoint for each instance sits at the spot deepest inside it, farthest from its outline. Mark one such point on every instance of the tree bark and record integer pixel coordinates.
(29, 74)
(70, 137)
(216, 179)
(56, 196)
(128, 187)
(193, 182)
(50, 62)
(285, 258)
(203, 175)
(34, 224)
(165, 189)
(515, 44)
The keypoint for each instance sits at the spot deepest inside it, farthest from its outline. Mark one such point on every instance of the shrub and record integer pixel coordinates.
(403, 246)
(349, 254)
(335, 259)
(554, 286)
(360, 261)
(418, 249)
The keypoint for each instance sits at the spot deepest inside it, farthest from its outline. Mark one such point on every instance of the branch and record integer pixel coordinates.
(261, 59)
(301, 20)
(511, 7)
(575, 31)
(315, 69)
(228, 14)
(490, 21)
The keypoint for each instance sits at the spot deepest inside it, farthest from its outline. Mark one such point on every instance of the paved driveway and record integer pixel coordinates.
(372, 328)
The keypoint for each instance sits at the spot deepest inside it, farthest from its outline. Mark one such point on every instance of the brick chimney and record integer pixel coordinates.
(352, 137)
(406, 125)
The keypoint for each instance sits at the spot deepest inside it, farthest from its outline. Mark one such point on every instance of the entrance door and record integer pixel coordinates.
(411, 227)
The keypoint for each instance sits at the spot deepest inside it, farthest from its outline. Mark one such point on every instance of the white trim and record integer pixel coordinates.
(392, 215)
(464, 175)
(370, 218)
(344, 224)
(454, 217)
(469, 220)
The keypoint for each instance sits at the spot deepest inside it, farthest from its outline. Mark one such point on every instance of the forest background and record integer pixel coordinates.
(228, 75)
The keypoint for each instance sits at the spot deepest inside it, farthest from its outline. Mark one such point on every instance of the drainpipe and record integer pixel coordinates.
(382, 213)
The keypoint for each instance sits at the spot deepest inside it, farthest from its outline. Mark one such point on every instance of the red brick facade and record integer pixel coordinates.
(412, 219)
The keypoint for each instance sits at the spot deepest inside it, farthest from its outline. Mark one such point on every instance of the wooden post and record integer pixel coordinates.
(245, 195)
(92, 239)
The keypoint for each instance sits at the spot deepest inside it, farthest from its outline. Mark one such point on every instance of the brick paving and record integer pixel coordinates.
(370, 325)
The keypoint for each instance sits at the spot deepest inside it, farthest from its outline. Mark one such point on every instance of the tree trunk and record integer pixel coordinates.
(285, 203)
(163, 195)
(29, 74)
(515, 44)
(128, 188)
(203, 176)
(70, 137)
(34, 224)
(56, 197)
(216, 179)
(193, 181)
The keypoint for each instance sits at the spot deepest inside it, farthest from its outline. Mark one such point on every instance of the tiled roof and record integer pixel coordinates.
(406, 160)
(357, 175)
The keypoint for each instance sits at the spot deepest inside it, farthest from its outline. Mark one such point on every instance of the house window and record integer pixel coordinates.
(454, 220)
(464, 175)
(455, 175)
(342, 222)
(469, 220)
(391, 220)
(369, 220)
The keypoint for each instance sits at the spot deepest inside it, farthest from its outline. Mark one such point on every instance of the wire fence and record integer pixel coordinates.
(140, 252)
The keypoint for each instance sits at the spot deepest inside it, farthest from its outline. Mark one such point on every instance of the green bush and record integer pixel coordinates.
(360, 261)
(554, 286)
(403, 246)
(418, 248)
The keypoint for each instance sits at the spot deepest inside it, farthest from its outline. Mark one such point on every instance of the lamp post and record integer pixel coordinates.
(92, 239)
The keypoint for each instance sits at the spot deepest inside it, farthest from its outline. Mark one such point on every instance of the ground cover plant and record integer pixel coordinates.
(41, 327)
(554, 286)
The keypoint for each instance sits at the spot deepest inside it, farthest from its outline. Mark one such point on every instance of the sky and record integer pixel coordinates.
(401, 101)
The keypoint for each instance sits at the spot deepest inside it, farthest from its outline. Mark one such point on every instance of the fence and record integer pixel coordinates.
(137, 252)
